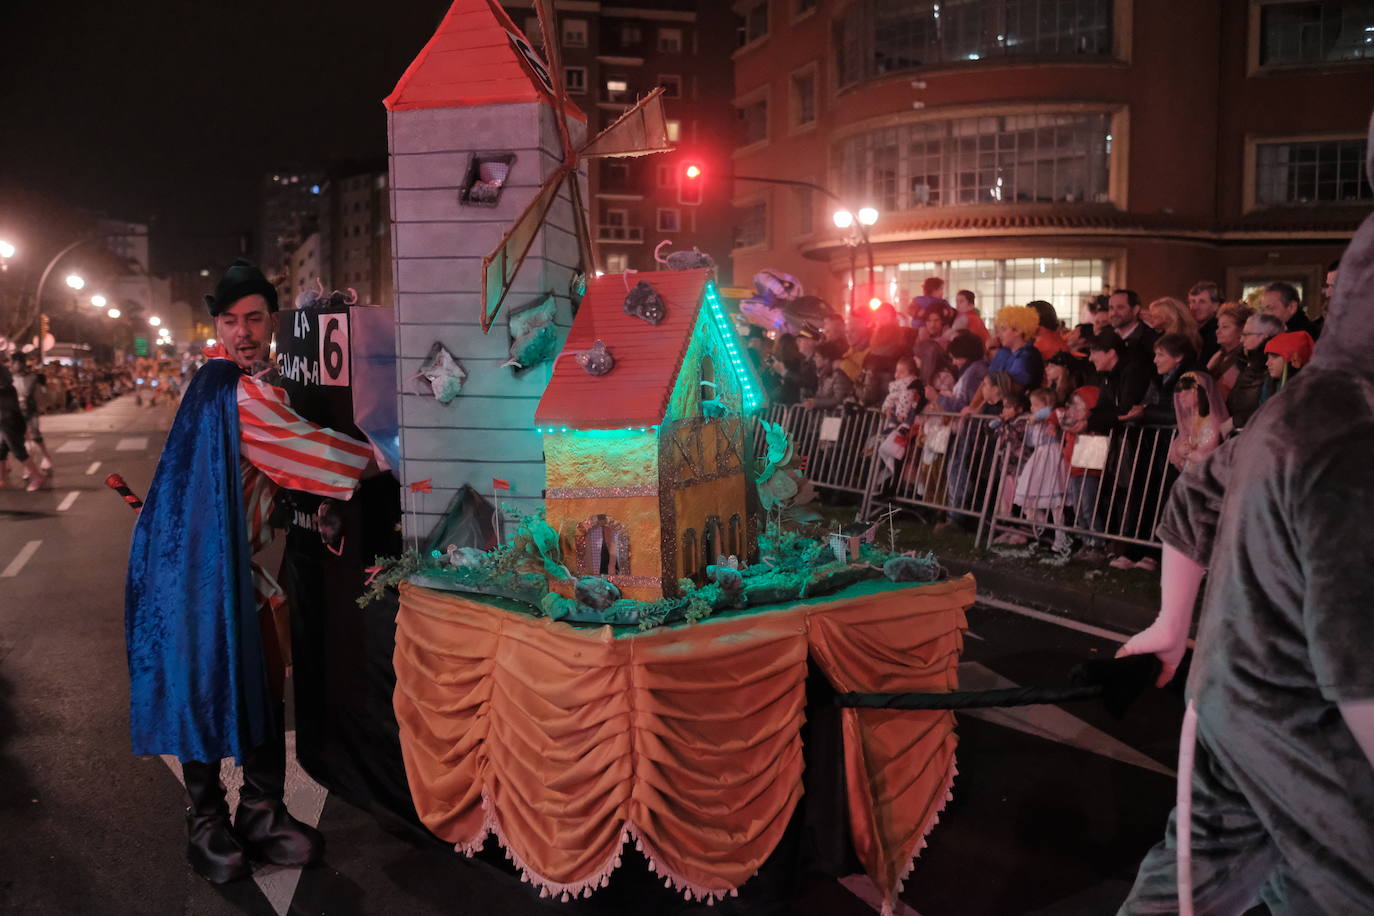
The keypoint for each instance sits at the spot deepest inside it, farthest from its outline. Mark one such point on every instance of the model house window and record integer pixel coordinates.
(711, 545)
(669, 219)
(672, 86)
(735, 543)
(1315, 172)
(670, 41)
(753, 24)
(691, 559)
(575, 78)
(708, 379)
(574, 33)
(803, 108)
(989, 160)
(876, 37)
(753, 121)
(1315, 32)
(752, 228)
(617, 262)
(674, 130)
(604, 547)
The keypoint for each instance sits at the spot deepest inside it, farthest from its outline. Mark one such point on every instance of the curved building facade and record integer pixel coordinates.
(1048, 149)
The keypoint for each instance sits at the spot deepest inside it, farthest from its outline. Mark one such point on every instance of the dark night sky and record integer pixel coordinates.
(171, 110)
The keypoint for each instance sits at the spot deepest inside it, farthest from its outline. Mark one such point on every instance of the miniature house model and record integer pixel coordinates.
(645, 485)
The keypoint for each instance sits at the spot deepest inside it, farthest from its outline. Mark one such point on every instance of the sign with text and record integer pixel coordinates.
(334, 350)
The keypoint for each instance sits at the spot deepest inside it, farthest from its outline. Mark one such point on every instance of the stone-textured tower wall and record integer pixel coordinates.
(487, 431)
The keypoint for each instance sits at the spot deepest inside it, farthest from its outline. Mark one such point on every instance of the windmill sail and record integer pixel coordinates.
(500, 267)
(640, 131)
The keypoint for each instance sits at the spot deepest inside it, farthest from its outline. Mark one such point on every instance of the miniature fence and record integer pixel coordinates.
(977, 470)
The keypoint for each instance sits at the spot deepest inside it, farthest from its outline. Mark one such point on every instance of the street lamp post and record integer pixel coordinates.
(866, 216)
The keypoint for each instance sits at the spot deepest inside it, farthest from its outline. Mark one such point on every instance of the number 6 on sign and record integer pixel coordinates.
(334, 349)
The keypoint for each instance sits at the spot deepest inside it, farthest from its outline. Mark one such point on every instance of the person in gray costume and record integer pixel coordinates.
(1278, 801)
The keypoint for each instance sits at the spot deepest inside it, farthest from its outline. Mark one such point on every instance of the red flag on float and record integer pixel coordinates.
(423, 486)
(802, 462)
(498, 484)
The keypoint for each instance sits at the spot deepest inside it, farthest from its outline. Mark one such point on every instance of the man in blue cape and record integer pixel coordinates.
(206, 662)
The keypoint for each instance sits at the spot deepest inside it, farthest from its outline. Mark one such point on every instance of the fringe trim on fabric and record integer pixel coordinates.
(889, 900)
(491, 826)
(690, 891)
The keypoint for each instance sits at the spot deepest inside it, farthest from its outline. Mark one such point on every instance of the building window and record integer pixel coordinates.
(1315, 172)
(753, 122)
(753, 225)
(672, 86)
(667, 176)
(674, 130)
(617, 262)
(1315, 32)
(574, 33)
(669, 219)
(670, 41)
(630, 35)
(615, 177)
(806, 209)
(575, 79)
(616, 88)
(987, 160)
(875, 37)
(1064, 282)
(801, 7)
(753, 24)
(803, 98)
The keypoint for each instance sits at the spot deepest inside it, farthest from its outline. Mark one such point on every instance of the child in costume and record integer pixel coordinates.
(1201, 414)
(1042, 484)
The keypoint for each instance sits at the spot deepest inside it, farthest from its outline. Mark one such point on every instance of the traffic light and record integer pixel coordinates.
(689, 185)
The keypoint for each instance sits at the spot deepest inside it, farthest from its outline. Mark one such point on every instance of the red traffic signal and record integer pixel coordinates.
(692, 171)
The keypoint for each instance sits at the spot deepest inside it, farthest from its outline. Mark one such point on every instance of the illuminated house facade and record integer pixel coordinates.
(643, 486)
(1038, 149)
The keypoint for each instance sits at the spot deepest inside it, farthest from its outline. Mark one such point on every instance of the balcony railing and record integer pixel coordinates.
(631, 234)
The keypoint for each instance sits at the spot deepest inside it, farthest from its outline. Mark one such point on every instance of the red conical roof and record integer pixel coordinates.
(473, 60)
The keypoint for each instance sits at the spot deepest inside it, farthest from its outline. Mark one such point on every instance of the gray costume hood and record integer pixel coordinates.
(1347, 341)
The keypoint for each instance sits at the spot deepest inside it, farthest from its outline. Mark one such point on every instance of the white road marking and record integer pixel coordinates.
(132, 444)
(1049, 722)
(95, 466)
(68, 500)
(305, 799)
(1053, 618)
(862, 886)
(18, 562)
(75, 445)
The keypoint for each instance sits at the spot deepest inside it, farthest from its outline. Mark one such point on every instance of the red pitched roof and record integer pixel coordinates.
(470, 61)
(647, 356)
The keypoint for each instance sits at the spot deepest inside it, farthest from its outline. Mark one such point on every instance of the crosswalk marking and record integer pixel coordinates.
(132, 444)
(68, 500)
(18, 562)
(95, 466)
(75, 445)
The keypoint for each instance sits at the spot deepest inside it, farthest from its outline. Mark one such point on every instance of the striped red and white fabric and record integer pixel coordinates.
(280, 448)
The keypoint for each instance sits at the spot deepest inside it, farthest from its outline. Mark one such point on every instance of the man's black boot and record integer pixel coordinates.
(212, 849)
(268, 831)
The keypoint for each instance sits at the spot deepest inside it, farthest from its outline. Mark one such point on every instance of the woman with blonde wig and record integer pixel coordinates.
(1169, 316)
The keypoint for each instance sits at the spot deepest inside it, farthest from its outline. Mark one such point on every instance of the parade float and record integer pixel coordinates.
(605, 618)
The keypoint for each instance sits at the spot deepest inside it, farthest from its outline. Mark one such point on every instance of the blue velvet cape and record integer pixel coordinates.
(197, 680)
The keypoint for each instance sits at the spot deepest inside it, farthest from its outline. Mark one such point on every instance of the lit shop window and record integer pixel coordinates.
(1064, 282)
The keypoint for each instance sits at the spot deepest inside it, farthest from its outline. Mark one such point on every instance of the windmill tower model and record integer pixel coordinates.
(490, 235)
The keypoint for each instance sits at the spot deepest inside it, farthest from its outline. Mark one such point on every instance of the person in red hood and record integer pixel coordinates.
(1286, 353)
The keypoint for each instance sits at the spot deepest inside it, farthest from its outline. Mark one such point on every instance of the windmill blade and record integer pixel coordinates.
(548, 24)
(500, 267)
(584, 237)
(640, 131)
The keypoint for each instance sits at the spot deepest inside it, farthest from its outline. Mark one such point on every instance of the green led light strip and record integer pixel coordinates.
(597, 433)
(751, 394)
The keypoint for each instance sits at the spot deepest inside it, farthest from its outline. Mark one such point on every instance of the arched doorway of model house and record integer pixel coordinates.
(712, 544)
(603, 547)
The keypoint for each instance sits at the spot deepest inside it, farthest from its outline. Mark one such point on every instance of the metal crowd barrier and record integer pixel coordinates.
(981, 471)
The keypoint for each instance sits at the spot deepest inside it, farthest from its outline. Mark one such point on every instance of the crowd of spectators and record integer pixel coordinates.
(1166, 382)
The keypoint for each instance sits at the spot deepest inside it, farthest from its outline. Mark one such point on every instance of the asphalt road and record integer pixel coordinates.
(1053, 807)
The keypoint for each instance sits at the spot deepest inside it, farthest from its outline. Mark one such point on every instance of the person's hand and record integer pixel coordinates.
(1164, 642)
(1136, 411)
(967, 411)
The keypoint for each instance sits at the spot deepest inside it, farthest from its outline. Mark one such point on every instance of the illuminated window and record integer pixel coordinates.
(674, 129)
(670, 41)
(875, 37)
(1063, 282)
(617, 262)
(574, 33)
(1033, 158)
(1308, 173)
(1315, 32)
